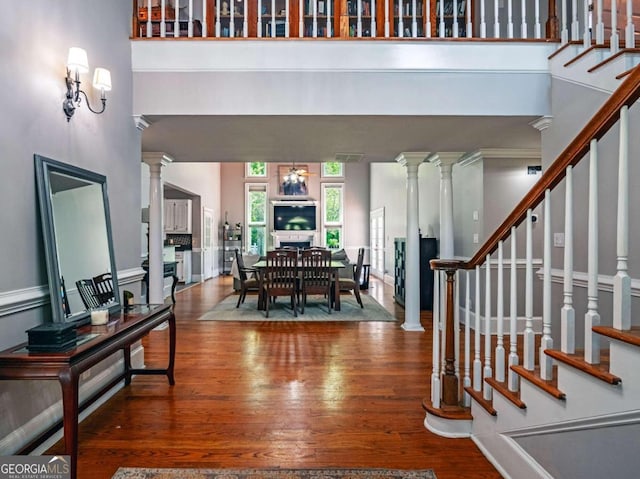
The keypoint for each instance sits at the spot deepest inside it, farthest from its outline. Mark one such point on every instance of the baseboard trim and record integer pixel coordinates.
(22, 435)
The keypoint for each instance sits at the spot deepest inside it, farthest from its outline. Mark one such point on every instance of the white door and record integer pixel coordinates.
(207, 244)
(376, 234)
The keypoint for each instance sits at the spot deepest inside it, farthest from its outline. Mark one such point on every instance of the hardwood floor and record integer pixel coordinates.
(267, 394)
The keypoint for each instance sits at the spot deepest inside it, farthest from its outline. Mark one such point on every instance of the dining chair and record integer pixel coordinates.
(316, 275)
(280, 278)
(248, 278)
(354, 283)
(87, 293)
(103, 285)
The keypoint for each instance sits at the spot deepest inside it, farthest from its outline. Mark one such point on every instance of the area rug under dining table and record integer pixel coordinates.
(315, 310)
(138, 473)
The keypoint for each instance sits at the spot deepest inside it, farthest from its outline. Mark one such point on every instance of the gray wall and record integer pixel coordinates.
(468, 194)
(34, 54)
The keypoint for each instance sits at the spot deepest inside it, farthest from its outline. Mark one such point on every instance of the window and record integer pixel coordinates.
(256, 217)
(333, 169)
(256, 169)
(332, 215)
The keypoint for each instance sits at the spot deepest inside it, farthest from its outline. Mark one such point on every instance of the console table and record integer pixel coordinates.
(95, 343)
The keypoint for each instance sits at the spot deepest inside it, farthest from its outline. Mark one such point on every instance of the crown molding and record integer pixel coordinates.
(141, 122)
(542, 123)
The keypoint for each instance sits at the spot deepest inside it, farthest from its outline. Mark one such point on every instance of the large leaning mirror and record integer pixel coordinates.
(74, 208)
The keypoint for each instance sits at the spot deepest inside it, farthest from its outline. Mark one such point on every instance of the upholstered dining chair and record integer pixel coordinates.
(103, 285)
(315, 275)
(248, 278)
(87, 293)
(280, 278)
(354, 283)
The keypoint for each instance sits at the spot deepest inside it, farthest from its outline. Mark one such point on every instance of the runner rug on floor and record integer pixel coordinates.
(315, 310)
(135, 473)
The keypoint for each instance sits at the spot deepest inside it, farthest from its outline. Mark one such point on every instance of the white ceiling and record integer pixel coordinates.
(320, 138)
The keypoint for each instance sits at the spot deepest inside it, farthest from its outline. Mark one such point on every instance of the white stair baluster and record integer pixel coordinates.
(359, 18)
(587, 24)
(427, 24)
(496, 21)
(629, 32)
(163, 26)
(529, 336)
(513, 312)
(245, 21)
(467, 340)
(329, 25)
(564, 32)
(205, 32)
(477, 363)
(469, 24)
(176, 20)
(400, 32)
(455, 18)
(435, 357)
(622, 281)
(614, 41)
(509, 18)
(599, 24)
(314, 13)
(232, 21)
(545, 361)
(190, 25)
(259, 18)
(218, 27)
(149, 26)
(537, 29)
(414, 21)
(286, 18)
(500, 353)
(273, 18)
(483, 23)
(300, 18)
(575, 24)
(387, 29)
(567, 315)
(592, 317)
(441, 16)
(523, 12)
(373, 18)
(487, 371)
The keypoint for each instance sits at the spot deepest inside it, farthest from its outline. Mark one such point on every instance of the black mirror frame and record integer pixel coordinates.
(44, 166)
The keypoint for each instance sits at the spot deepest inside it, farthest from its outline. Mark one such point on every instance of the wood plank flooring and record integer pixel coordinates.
(267, 394)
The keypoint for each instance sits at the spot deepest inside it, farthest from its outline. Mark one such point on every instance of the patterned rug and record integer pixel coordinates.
(135, 473)
(316, 310)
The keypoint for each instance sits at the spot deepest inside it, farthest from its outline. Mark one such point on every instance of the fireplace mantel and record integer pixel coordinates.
(311, 237)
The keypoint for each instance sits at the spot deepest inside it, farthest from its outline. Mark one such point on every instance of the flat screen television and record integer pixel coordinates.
(294, 217)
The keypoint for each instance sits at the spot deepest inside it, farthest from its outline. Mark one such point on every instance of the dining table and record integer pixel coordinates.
(335, 266)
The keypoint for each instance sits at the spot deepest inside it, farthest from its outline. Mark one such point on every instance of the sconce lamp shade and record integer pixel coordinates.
(102, 79)
(77, 60)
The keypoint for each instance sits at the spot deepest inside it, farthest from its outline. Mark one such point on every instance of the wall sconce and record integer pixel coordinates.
(77, 63)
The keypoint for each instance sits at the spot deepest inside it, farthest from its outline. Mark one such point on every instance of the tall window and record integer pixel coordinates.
(256, 169)
(256, 217)
(333, 169)
(332, 219)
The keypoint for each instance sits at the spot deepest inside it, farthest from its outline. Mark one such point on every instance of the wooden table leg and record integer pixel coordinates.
(173, 288)
(126, 356)
(172, 348)
(336, 291)
(69, 384)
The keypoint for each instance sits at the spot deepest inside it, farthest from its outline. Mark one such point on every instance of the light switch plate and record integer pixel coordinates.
(558, 240)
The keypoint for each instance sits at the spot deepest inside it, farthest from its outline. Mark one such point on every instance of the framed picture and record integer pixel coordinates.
(293, 180)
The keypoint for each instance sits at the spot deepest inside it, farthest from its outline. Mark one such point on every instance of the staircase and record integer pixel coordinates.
(542, 368)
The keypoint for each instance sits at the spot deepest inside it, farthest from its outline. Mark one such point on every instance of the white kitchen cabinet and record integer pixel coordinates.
(177, 216)
(183, 266)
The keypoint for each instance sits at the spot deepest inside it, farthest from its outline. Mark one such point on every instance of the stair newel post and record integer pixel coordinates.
(496, 16)
(435, 358)
(467, 339)
(614, 42)
(575, 25)
(592, 317)
(552, 27)
(629, 32)
(567, 315)
(547, 342)
(529, 336)
(622, 281)
(477, 363)
(599, 23)
(456, 322)
(487, 372)
(500, 353)
(513, 312)
(523, 27)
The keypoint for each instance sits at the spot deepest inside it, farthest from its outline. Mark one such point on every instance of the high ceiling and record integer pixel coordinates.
(320, 138)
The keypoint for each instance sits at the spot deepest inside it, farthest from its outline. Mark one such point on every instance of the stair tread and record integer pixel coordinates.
(502, 388)
(630, 337)
(586, 52)
(548, 385)
(619, 53)
(448, 412)
(487, 405)
(599, 371)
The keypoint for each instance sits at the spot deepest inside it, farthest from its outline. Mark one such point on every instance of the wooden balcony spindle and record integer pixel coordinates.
(523, 26)
(537, 32)
(259, 26)
(466, 382)
(163, 25)
(588, 19)
(387, 26)
(622, 281)
(149, 26)
(414, 19)
(218, 26)
(592, 317)
(500, 352)
(567, 315)
(469, 23)
(400, 32)
(547, 341)
(483, 22)
(513, 312)
(614, 41)
(176, 22)
(599, 23)
(477, 363)
(232, 21)
(330, 25)
(487, 371)
(575, 24)
(552, 26)
(496, 16)
(245, 21)
(427, 22)
(435, 355)
(450, 379)
(629, 32)
(455, 18)
(509, 18)
(529, 336)
(564, 31)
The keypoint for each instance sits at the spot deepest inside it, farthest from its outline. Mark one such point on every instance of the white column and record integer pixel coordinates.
(156, 161)
(446, 161)
(412, 262)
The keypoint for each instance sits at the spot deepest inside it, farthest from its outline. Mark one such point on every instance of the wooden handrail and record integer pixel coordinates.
(596, 128)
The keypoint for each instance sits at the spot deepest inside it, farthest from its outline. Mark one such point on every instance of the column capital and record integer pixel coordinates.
(412, 158)
(445, 158)
(141, 122)
(542, 123)
(156, 158)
